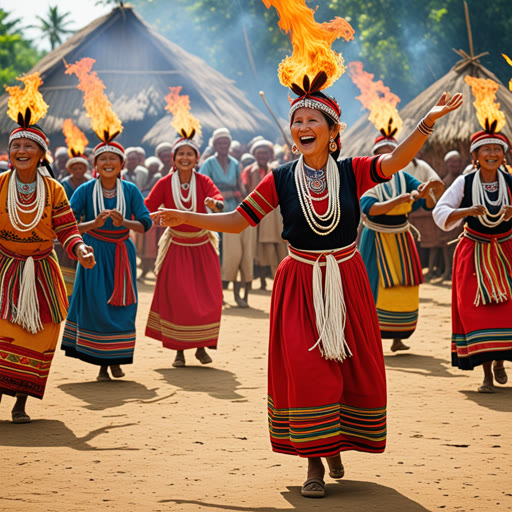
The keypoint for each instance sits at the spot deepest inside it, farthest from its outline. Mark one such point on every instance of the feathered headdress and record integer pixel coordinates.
(381, 103)
(183, 121)
(76, 142)
(104, 121)
(26, 107)
(488, 113)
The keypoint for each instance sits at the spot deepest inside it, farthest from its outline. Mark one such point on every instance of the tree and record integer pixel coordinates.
(54, 27)
(17, 55)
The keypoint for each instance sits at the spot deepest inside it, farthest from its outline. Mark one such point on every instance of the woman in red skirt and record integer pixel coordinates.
(327, 384)
(482, 268)
(187, 304)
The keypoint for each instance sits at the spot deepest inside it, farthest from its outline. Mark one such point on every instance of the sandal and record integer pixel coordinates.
(313, 488)
(116, 370)
(337, 472)
(103, 376)
(203, 356)
(179, 361)
(500, 375)
(485, 388)
(20, 417)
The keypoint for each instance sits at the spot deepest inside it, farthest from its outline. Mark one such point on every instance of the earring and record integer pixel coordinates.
(332, 145)
(295, 149)
(477, 164)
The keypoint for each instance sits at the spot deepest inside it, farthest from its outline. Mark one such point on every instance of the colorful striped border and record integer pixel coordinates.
(183, 333)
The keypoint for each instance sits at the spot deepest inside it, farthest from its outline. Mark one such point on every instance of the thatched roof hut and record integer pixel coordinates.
(138, 66)
(452, 132)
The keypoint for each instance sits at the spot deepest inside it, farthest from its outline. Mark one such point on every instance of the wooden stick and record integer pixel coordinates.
(470, 35)
(262, 94)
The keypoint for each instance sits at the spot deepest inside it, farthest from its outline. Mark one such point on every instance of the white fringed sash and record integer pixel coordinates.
(330, 308)
(170, 235)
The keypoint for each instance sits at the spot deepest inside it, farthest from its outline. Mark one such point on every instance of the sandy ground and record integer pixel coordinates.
(196, 438)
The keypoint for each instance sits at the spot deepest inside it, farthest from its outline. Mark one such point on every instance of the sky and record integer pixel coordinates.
(82, 13)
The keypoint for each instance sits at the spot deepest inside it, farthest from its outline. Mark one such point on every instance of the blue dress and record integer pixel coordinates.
(95, 331)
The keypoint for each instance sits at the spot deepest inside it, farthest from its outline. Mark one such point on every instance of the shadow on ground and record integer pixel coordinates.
(106, 395)
(219, 384)
(419, 364)
(500, 401)
(346, 496)
(54, 434)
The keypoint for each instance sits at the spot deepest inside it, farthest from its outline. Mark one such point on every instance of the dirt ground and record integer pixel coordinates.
(196, 439)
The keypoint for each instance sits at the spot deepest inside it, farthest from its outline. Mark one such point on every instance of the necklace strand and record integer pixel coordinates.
(15, 206)
(479, 196)
(333, 212)
(178, 196)
(99, 203)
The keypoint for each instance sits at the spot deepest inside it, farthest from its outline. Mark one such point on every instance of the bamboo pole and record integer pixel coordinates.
(470, 35)
(262, 94)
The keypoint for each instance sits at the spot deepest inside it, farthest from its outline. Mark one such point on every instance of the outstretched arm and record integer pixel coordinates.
(409, 147)
(231, 222)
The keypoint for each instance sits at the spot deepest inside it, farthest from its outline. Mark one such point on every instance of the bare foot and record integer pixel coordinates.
(398, 345)
(203, 356)
(18, 413)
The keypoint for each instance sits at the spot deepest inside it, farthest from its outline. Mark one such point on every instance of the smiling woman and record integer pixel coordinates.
(33, 298)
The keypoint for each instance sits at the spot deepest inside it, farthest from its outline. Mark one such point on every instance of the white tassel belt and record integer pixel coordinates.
(330, 308)
(169, 237)
(401, 228)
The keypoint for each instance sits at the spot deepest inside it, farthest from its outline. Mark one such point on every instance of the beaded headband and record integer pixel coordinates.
(185, 141)
(32, 134)
(384, 141)
(483, 137)
(112, 147)
(80, 159)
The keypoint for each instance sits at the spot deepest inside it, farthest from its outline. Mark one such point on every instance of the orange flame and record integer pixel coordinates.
(179, 107)
(311, 42)
(509, 62)
(484, 91)
(28, 97)
(75, 138)
(104, 121)
(377, 98)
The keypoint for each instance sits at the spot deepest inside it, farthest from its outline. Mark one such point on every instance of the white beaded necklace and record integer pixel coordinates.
(178, 196)
(99, 203)
(15, 206)
(381, 190)
(333, 211)
(479, 196)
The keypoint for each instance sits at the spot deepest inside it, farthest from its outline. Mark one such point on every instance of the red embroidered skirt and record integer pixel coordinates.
(187, 303)
(479, 333)
(319, 407)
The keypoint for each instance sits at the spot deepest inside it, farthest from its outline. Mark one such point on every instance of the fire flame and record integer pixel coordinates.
(484, 91)
(75, 138)
(28, 97)
(509, 62)
(377, 98)
(179, 107)
(311, 42)
(104, 120)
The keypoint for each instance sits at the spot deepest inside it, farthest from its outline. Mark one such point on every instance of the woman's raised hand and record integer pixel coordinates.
(117, 218)
(168, 218)
(101, 218)
(444, 106)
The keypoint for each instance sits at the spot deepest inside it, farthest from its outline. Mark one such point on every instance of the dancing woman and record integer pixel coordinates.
(33, 299)
(482, 266)
(327, 386)
(100, 328)
(388, 249)
(187, 303)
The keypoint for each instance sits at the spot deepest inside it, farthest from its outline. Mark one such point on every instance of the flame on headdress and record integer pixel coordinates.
(378, 99)
(26, 106)
(311, 43)
(75, 138)
(183, 121)
(104, 120)
(509, 62)
(488, 112)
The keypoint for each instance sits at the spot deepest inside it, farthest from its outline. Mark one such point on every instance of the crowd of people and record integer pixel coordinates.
(295, 216)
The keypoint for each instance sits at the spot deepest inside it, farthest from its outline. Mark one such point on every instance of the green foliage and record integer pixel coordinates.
(17, 55)
(54, 27)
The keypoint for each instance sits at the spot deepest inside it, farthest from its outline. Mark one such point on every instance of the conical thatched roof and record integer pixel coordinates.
(138, 66)
(451, 132)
